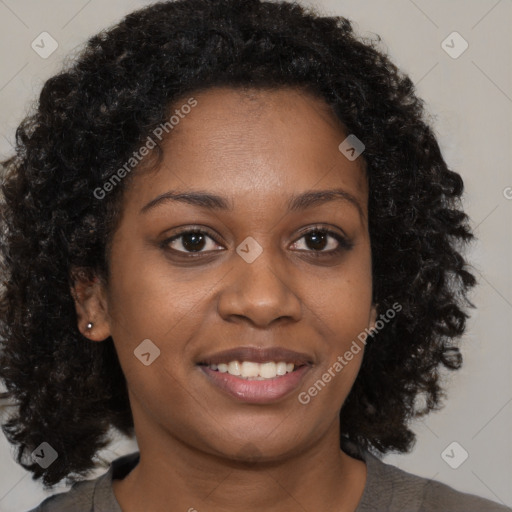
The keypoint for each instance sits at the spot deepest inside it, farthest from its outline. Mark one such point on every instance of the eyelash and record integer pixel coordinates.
(343, 243)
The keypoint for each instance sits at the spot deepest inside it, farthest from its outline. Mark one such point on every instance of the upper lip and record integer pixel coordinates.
(257, 355)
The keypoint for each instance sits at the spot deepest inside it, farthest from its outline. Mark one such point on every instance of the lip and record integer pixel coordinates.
(256, 391)
(257, 355)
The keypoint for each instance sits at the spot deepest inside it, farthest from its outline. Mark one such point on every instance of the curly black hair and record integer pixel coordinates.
(91, 117)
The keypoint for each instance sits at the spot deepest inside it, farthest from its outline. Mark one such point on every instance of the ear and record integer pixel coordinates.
(89, 294)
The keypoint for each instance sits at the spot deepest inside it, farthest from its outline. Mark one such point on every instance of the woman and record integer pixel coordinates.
(230, 231)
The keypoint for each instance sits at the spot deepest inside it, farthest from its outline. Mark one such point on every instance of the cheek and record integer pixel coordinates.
(344, 302)
(148, 304)
(149, 298)
(342, 314)
(343, 311)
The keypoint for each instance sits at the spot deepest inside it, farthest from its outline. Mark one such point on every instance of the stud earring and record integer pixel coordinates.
(89, 325)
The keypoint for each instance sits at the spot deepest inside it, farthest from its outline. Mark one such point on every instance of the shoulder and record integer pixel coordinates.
(91, 495)
(403, 489)
(439, 496)
(390, 489)
(78, 498)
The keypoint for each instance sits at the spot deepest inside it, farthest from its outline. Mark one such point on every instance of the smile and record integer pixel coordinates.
(254, 371)
(256, 389)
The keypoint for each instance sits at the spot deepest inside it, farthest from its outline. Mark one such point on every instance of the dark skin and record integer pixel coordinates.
(200, 448)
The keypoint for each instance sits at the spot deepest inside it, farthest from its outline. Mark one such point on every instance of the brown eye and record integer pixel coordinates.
(317, 240)
(321, 240)
(191, 241)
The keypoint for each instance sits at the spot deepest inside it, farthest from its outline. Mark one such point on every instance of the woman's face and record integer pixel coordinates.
(253, 277)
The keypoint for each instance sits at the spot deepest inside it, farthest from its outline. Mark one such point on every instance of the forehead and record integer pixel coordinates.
(263, 144)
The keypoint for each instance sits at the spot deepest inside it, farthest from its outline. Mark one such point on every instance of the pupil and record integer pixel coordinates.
(193, 241)
(318, 237)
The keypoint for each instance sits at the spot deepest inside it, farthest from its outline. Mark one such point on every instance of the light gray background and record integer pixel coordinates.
(470, 99)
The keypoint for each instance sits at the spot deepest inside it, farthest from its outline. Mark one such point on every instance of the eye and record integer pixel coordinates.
(318, 243)
(190, 241)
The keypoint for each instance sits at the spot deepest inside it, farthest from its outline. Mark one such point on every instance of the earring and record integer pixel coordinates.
(89, 325)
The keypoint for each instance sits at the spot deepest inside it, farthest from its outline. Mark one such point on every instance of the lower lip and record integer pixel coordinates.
(256, 391)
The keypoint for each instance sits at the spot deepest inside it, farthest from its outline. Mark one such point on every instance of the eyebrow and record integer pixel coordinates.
(297, 202)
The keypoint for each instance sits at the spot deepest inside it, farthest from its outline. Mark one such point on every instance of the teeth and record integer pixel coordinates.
(234, 368)
(268, 370)
(254, 371)
(249, 369)
(281, 368)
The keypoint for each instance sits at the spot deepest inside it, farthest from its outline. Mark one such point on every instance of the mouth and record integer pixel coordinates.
(255, 375)
(251, 370)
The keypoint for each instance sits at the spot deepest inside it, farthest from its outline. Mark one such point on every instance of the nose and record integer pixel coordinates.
(260, 292)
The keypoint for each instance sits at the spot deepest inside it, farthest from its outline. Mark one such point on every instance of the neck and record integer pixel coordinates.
(321, 478)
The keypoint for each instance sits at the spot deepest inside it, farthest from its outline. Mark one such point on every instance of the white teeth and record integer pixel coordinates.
(254, 371)
(268, 370)
(281, 368)
(234, 368)
(249, 369)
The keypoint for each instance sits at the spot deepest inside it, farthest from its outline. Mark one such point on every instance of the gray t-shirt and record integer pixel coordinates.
(387, 489)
